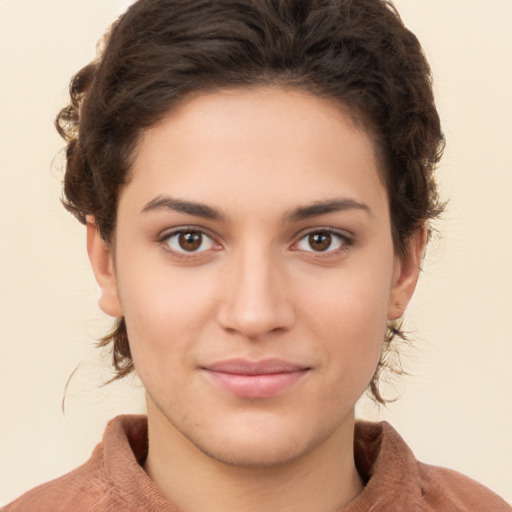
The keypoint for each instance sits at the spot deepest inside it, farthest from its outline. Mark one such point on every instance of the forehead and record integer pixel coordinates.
(233, 147)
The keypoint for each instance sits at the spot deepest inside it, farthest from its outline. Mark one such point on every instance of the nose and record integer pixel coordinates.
(256, 298)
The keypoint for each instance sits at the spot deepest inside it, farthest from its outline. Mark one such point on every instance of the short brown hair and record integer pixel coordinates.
(358, 53)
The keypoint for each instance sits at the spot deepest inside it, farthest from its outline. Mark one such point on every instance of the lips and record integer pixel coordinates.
(255, 379)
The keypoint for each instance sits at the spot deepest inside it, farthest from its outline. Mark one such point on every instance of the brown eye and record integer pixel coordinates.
(189, 241)
(322, 241)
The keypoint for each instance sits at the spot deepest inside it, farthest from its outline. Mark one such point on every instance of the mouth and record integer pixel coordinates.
(255, 379)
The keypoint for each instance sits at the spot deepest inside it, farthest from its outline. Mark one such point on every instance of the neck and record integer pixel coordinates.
(324, 479)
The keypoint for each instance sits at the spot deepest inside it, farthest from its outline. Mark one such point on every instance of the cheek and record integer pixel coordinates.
(164, 310)
(348, 312)
(350, 299)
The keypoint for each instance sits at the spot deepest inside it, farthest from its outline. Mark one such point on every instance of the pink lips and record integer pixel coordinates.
(258, 379)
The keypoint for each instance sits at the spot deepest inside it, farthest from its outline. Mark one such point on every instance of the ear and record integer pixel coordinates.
(102, 261)
(406, 274)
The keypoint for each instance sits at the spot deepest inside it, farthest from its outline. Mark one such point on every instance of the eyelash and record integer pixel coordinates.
(183, 254)
(345, 242)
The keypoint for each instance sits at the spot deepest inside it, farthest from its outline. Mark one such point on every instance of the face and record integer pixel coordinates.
(255, 269)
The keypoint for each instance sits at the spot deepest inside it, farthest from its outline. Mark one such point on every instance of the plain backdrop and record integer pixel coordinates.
(454, 409)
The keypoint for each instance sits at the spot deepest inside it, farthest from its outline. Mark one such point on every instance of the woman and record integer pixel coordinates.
(256, 179)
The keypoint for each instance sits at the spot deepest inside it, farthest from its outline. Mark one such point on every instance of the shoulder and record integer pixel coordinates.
(445, 489)
(80, 490)
(397, 481)
(92, 486)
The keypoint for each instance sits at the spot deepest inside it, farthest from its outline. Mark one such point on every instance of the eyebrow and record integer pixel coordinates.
(181, 206)
(325, 207)
(207, 212)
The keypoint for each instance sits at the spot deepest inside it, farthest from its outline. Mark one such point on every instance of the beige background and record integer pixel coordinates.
(455, 408)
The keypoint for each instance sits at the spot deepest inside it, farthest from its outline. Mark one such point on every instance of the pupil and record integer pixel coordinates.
(190, 241)
(320, 241)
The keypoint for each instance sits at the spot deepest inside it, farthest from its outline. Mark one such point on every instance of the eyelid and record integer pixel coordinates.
(346, 239)
(169, 233)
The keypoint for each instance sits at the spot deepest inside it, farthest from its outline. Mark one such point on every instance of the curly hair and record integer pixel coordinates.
(357, 53)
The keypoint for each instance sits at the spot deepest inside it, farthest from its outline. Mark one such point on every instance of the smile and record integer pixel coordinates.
(259, 379)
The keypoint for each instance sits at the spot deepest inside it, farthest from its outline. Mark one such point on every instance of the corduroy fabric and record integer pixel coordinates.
(113, 480)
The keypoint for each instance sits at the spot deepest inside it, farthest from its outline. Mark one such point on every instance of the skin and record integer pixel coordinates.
(258, 287)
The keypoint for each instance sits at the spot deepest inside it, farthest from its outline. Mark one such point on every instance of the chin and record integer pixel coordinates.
(259, 441)
(255, 452)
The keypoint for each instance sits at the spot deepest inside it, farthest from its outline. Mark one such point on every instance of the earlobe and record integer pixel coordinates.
(102, 261)
(407, 271)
